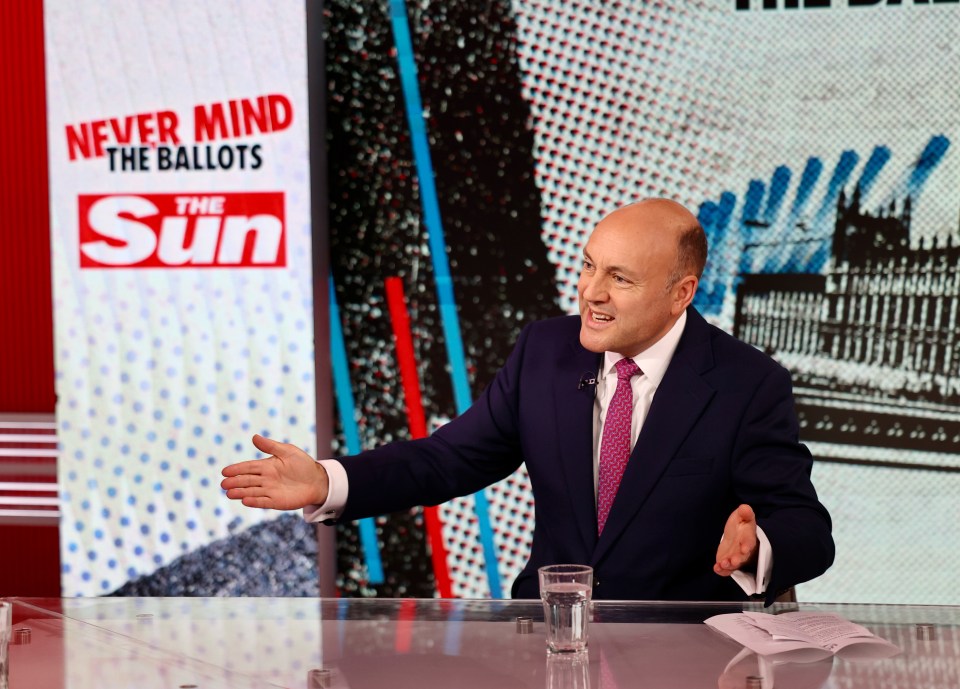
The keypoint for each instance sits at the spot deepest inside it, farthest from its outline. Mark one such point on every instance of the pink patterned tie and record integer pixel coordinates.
(615, 444)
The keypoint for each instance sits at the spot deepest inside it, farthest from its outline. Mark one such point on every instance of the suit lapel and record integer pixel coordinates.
(678, 403)
(574, 414)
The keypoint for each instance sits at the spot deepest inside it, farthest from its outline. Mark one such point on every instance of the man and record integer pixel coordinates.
(649, 436)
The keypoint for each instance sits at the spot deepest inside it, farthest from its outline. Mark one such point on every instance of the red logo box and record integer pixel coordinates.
(196, 230)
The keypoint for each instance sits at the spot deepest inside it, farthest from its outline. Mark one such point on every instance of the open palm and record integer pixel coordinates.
(287, 480)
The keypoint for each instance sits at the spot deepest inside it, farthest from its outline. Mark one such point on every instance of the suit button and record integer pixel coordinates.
(596, 583)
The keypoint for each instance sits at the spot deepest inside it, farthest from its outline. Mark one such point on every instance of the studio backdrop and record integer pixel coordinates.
(472, 147)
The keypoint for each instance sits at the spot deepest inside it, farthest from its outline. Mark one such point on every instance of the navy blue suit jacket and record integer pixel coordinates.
(721, 431)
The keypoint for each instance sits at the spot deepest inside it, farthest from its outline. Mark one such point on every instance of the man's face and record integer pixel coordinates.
(626, 301)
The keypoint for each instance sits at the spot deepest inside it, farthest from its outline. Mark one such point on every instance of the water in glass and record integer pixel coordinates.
(566, 608)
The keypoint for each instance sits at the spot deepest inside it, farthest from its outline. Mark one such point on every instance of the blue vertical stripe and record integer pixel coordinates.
(808, 181)
(932, 154)
(778, 255)
(871, 169)
(343, 614)
(453, 634)
(438, 255)
(715, 220)
(794, 260)
(703, 298)
(838, 180)
(828, 208)
(345, 407)
(752, 202)
(779, 183)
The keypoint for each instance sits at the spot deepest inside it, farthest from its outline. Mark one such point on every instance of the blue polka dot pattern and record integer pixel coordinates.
(155, 367)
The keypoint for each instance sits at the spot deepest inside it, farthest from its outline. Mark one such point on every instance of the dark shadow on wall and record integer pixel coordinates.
(482, 154)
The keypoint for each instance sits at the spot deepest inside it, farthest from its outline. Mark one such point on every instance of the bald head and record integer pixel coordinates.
(663, 219)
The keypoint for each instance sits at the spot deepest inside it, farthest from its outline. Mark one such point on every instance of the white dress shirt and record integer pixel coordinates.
(653, 363)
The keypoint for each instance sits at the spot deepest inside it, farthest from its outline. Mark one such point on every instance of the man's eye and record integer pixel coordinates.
(587, 265)
(619, 279)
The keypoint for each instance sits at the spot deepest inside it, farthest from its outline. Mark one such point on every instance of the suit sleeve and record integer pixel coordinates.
(469, 453)
(772, 474)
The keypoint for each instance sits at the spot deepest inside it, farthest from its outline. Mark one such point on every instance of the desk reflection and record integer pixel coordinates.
(347, 644)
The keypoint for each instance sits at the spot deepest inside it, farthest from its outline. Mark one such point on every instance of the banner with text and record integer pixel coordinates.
(179, 177)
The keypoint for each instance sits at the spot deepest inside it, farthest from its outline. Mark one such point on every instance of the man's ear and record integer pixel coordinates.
(683, 293)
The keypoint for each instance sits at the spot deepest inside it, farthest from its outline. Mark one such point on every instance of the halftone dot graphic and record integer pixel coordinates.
(608, 135)
(157, 364)
(511, 511)
(461, 536)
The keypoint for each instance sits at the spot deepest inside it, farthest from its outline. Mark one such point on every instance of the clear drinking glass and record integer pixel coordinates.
(566, 591)
(568, 670)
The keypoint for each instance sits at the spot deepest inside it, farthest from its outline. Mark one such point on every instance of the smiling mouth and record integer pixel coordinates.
(600, 317)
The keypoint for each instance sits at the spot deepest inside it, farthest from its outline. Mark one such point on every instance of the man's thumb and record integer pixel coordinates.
(266, 445)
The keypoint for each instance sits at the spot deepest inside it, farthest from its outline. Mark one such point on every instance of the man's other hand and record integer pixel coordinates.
(287, 480)
(739, 545)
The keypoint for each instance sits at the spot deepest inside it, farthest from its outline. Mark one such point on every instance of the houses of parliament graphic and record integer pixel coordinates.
(871, 338)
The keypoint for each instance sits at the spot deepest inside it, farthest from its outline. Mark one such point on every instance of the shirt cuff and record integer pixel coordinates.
(754, 584)
(337, 485)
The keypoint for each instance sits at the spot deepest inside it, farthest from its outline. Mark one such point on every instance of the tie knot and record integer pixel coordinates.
(626, 369)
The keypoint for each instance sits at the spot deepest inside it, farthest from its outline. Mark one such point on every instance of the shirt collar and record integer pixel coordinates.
(655, 359)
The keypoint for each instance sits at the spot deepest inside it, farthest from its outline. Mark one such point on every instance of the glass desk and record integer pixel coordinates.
(297, 643)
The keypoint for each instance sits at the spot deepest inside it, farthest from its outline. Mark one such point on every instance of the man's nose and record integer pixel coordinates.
(593, 288)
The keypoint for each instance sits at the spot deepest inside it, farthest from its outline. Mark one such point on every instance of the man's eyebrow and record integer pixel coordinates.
(620, 269)
(611, 269)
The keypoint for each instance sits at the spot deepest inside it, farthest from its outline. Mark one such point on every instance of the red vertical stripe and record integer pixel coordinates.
(26, 311)
(405, 618)
(400, 320)
(26, 303)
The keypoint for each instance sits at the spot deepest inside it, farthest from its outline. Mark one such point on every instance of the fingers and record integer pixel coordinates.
(726, 566)
(253, 466)
(739, 543)
(263, 502)
(240, 493)
(242, 481)
(251, 497)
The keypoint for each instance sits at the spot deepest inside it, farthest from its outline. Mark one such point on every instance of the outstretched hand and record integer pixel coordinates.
(738, 547)
(287, 480)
